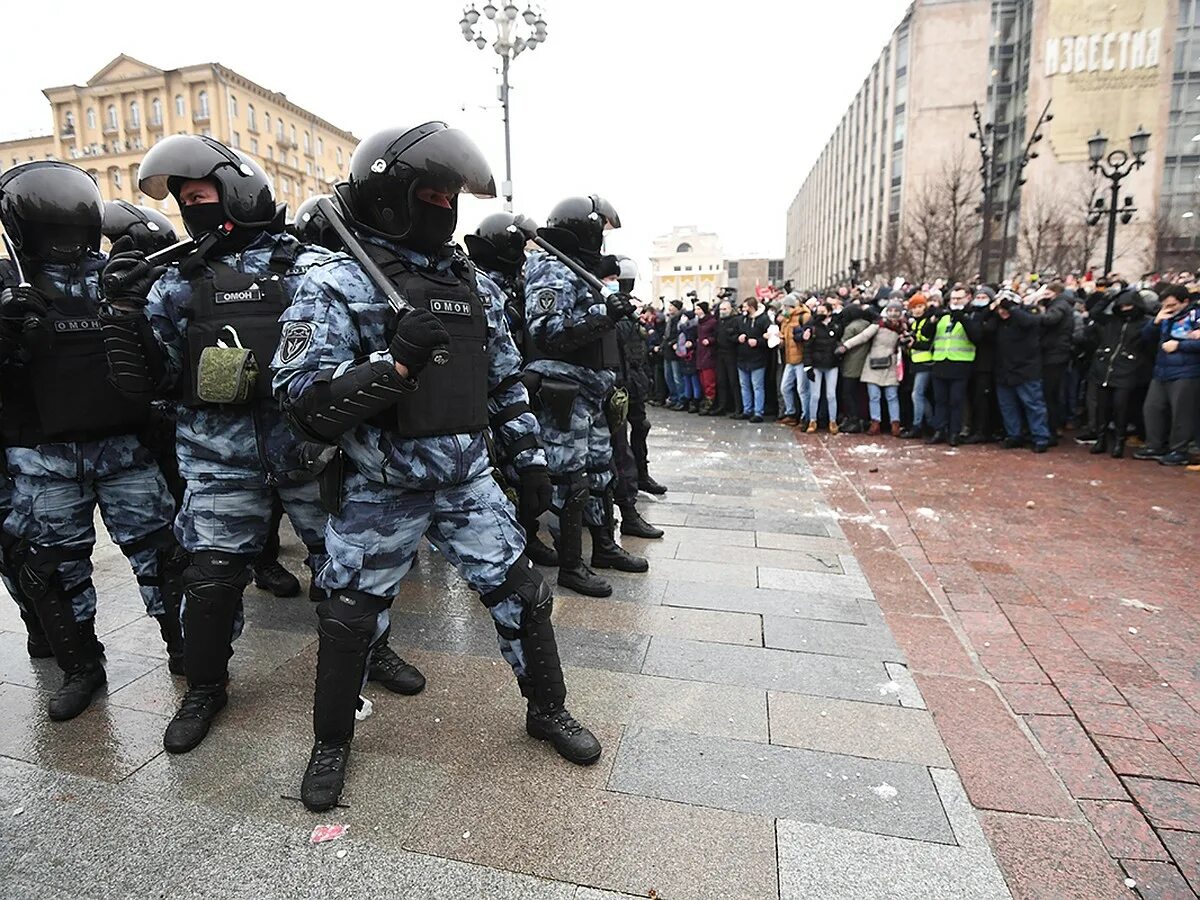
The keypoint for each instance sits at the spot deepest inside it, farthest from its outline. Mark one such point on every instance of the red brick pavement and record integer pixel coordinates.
(1049, 607)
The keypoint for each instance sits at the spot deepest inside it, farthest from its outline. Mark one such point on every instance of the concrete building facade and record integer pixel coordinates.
(107, 125)
(750, 273)
(1100, 66)
(685, 260)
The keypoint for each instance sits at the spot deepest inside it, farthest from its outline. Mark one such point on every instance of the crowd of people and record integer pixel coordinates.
(1018, 363)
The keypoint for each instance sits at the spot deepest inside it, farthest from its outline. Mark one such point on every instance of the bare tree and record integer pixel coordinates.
(942, 229)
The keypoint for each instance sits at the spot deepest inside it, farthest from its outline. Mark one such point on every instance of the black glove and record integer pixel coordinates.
(128, 276)
(619, 306)
(23, 311)
(536, 492)
(418, 334)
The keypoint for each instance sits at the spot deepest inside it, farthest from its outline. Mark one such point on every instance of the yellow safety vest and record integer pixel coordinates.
(952, 343)
(921, 356)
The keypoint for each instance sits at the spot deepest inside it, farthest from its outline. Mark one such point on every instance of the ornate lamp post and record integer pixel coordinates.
(1115, 166)
(515, 32)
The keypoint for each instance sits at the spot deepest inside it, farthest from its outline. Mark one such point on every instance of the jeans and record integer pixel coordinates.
(920, 387)
(795, 382)
(672, 375)
(1026, 398)
(1170, 411)
(949, 398)
(691, 386)
(754, 390)
(826, 380)
(892, 392)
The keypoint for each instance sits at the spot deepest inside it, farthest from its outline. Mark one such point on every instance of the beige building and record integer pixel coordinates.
(905, 138)
(687, 259)
(107, 125)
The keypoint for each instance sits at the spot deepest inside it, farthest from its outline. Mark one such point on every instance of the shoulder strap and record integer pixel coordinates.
(283, 257)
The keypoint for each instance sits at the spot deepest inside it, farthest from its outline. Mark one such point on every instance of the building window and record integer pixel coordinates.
(687, 268)
(232, 106)
(287, 185)
(135, 115)
(320, 146)
(251, 119)
(295, 161)
(271, 153)
(236, 141)
(307, 142)
(202, 105)
(684, 248)
(308, 166)
(292, 133)
(677, 268)
(110, 120)
(91, 117)
(115, 174)
(180, 109)
(279, 130)
(69, 123)
(733, 269)
(254, 146)
(267, 122)
(155, 111)
(339, 157)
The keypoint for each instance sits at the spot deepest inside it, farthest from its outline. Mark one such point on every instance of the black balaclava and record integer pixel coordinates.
(432, 226)
(60, 244)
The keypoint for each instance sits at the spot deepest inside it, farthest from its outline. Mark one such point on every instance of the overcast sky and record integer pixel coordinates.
(709, 117)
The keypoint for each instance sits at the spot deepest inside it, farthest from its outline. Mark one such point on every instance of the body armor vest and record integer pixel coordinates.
(237, 309)
(66, 382)
(602, 353)
(449, 399)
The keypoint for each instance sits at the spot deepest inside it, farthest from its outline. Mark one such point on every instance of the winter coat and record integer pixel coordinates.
(1018, 347)
(1058, 328)
(985, 322)
(706, 345)
(883, 343)
(793, 350)
(1185, 361)
(855, 358)
(751, 358)
(635, 363)
(685, 354)
(821, 343)
(1119, 351)
(671, 331)
(728, 329)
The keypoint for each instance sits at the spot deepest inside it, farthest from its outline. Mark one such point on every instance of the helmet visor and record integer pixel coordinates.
(449, 161)
(184, 156)
(606, 211)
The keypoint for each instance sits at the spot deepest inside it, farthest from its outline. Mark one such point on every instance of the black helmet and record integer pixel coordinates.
(151, 230)
(246, 197)
(388, 168)
(312, 227)
(51, 211)
(499, 244)
(627, 275)
(586, 218)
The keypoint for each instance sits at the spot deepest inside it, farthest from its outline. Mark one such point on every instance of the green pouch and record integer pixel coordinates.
(226, 374)
(617, 411)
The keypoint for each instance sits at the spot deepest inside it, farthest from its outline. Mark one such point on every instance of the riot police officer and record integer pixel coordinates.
(573, 347)
(311, 227)
(352, 371)
(205, 330)
(148, 229)
(70, 437)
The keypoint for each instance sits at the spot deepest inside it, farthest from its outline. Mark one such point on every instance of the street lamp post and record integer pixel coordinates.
(1116, 165)
(508, 45)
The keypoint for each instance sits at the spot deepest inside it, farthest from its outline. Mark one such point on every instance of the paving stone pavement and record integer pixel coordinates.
(764, 736)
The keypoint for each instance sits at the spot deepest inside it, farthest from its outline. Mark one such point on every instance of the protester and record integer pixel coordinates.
(1058, 329)
(1019, 372)
(821, 338)
(671, 368)
(752, 359)
(921, 325)
(1171, 407)
(1115, 330)
(729, 392)
(706, 356)
(856, 319)
(881, 374)
(795, 383)
(956, 333)
(685, 353)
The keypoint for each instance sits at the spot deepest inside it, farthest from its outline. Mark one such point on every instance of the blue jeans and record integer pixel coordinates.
(795, 382)
(691, 387)
(754, 390)
(892, 392)
(921, 406)
(671, 374)
(826, 380)
(1026, 398)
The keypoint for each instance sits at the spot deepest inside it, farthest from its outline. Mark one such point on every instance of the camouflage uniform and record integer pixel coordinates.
(556, 298)
(234, 457)
(57, 486)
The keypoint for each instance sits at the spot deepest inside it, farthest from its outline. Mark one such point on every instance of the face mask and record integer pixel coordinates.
(610, 288)
(61, 244)
(956, 304)
(983, 302)
(203, 218)
(432, 227)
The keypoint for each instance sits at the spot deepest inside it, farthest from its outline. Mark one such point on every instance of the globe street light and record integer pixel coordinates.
(515, 32)
(1115, 166)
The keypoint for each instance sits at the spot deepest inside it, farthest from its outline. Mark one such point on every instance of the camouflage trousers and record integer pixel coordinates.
(234, 517)
(8, 574)
(585, 447)
(56, 490)
(372, 541)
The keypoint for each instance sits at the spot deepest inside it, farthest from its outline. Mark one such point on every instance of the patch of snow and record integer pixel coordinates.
(926, 513)
(884, 791)
(869, 450)
(1138, 604)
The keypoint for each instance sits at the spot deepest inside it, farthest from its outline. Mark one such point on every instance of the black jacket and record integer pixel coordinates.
(750, 358)
(1120, 355)
(823, 339)
(985, 322)
(1018, 347)
(976, 329)
(635, 363)
(1058, 328)
(728, 329)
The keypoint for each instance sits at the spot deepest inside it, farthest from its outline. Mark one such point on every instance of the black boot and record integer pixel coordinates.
(74, 643)
(345, 624)
(35, 642)
(633, 525)
(1118, 448)
(547, 718)
(212, 600)
(172, 635)
(387, 668)
(572, 573)
(1101, 444)
(608, 554)
(273, 577)
(541, 553)
(648, 484)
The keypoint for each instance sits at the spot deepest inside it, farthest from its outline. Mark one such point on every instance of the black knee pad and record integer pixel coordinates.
(577, 489)
(524, 580)
(172, 559)
(38, 575)
(348, 618)
(215, 567)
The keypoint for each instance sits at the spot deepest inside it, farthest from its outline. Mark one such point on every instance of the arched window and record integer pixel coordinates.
(110, 118)
(267, 122)
(180, 109)
(279, 130)
(202, 104)
(251, 118)
(91, 117)
(307, 142)
(135, 115)
(292, 132)
(155, 111)
(115, 174)
(685, 247)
